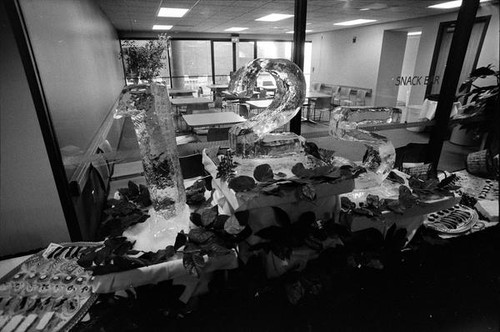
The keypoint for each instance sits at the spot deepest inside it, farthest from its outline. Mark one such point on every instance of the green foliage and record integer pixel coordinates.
(145, 61)
(225, 169)
(116, 255)
(480, 113)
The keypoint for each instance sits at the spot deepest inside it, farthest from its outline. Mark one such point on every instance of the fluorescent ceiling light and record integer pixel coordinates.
(415, 33)
(355, 22)
(172, 12)
(450, 4)
(306, 31)
(274, 17)
(235, 29)
(162, 27)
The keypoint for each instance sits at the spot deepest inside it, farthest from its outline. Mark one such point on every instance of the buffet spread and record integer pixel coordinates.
(271, 195)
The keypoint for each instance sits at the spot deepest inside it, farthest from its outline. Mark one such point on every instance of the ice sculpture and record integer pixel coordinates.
(288, 99)
(149, 108)
(380, 155)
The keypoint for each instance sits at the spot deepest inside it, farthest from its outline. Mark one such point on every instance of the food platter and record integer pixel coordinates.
(455, 220)
(47, 292)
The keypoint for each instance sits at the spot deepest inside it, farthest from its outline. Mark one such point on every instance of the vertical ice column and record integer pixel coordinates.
(151, 114)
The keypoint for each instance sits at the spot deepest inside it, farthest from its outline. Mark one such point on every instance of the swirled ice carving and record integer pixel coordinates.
(380, 156)
(288, 99)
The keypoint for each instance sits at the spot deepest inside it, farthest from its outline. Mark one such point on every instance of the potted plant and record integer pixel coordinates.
(481, 115)
(144, 62)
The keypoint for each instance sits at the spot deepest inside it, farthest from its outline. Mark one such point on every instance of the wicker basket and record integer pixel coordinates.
(480, 163)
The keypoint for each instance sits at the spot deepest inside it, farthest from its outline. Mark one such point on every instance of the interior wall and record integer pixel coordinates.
(338, 60)
(391, 64)
(335, 61)
(31, 215)
(77, 52)
(408, 66)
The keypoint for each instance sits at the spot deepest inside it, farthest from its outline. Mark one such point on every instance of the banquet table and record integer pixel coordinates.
(212, 119)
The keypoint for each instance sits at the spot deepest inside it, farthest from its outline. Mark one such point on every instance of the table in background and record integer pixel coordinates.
(193, 102)
(181, 92)
(217, 88)
(212, 119)
(313, 95)
(259, 104)
(190, 104)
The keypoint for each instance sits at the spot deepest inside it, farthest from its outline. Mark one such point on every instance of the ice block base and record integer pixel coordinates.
(157, 232)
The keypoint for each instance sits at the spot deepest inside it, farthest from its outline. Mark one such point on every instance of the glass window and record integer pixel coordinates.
(245, 53)
(274, 49)
(223, 58)
(191, 64)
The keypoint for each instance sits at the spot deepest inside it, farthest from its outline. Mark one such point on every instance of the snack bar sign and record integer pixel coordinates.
(416, 80)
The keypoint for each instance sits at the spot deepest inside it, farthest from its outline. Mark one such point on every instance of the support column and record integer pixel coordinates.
(299, 38)
(461, 36)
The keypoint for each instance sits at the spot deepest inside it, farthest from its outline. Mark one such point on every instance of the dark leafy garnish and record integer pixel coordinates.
(263, 173)
(307, 192)
(138, 194)
(241, 183)
(180, 240)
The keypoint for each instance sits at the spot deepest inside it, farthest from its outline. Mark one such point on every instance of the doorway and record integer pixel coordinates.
(442, 48)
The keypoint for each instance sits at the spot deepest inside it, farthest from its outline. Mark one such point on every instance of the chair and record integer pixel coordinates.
(101, 166)
(335, 100)
(89, 205)
(323, 106)
(345, 96)
(412, 152)
(316, 86)
(218, 103)
(243, 110)
(217, 134)
(360, 98)
(107, 151)
(192, 166)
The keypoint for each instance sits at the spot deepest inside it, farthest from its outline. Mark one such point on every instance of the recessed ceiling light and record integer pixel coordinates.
(236, 29)
(274, 17)
(450, 4)
(363, 9)
(172, 12)
(162, 27)
(415, 33)
(307, 31)
(355, 22)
